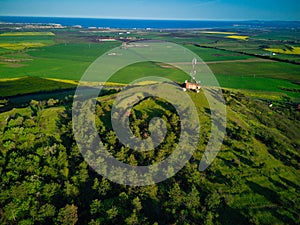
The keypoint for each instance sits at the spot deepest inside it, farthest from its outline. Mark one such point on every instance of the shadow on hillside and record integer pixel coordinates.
(276, 199)
(290, 183)
(229, 216)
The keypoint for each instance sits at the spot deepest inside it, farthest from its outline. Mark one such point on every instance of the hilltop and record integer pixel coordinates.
(253, 180)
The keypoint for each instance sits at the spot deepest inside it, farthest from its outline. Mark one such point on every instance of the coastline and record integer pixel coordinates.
(152, 24)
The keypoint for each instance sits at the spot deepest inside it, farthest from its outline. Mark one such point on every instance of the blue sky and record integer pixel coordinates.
(157, 9)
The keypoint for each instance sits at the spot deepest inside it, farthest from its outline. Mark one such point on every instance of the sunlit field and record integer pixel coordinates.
(239, 37)
(292, 50)
(8, 34)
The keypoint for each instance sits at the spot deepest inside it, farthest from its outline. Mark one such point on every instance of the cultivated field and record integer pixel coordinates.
(66, 55)
(292, 50)
(238, 37)
(13, 34)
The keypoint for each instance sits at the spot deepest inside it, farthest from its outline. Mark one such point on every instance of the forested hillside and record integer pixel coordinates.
(255, 178)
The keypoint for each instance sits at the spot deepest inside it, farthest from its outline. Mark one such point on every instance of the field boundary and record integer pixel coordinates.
(250, 54)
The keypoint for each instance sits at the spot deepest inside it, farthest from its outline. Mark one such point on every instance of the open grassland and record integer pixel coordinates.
(217, 32)
(145, 69)
(243, 77)
(21, 46)
(266, 95)
(74, 82)
(260, 84)
(28, 85)
(278, 35)
(63, 61)
(257, 40)
(209, 54)
(66, 62)
(256, 76)
(5, 51)
(9, 79)
(13, 34)
(20, 39)
(278, 70)
(87, 83)
(20, 42)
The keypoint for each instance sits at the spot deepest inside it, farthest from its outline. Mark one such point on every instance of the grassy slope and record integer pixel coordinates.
(259, 180)
(140, 70)
(241, 78)
(258, 84)
(264, 191)
(28, 85)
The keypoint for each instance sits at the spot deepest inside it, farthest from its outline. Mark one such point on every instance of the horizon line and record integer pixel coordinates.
(166, 19)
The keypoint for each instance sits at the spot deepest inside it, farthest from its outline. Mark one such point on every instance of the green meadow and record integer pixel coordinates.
(64, 61)
(259, 84)
(27, 85)
(68, 55)
(145, 69)
(277, 70)
(208, 54)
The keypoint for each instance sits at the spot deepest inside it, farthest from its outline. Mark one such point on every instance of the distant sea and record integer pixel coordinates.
(143, 24)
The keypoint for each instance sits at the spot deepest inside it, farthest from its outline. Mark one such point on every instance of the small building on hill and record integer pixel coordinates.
(191, 86)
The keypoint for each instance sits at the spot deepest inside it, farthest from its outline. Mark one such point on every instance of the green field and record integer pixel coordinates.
(292, 51)
(145, 69)
(256, 43)
(260, 84)
(208, 54)
(16, 39)
(21, 46)
(29, 85)
(24, 40)
(277, 70)
(70, 60)
(65, 61)
(13, 34)
(241, 78)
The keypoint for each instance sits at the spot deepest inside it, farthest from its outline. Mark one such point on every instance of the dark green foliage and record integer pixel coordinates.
(67, 215)
(254, 179)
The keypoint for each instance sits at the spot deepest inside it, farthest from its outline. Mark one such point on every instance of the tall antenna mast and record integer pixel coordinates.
(193, 71)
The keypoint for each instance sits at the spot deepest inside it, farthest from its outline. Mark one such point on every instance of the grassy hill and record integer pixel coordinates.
(28, 85)
(254, 179)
